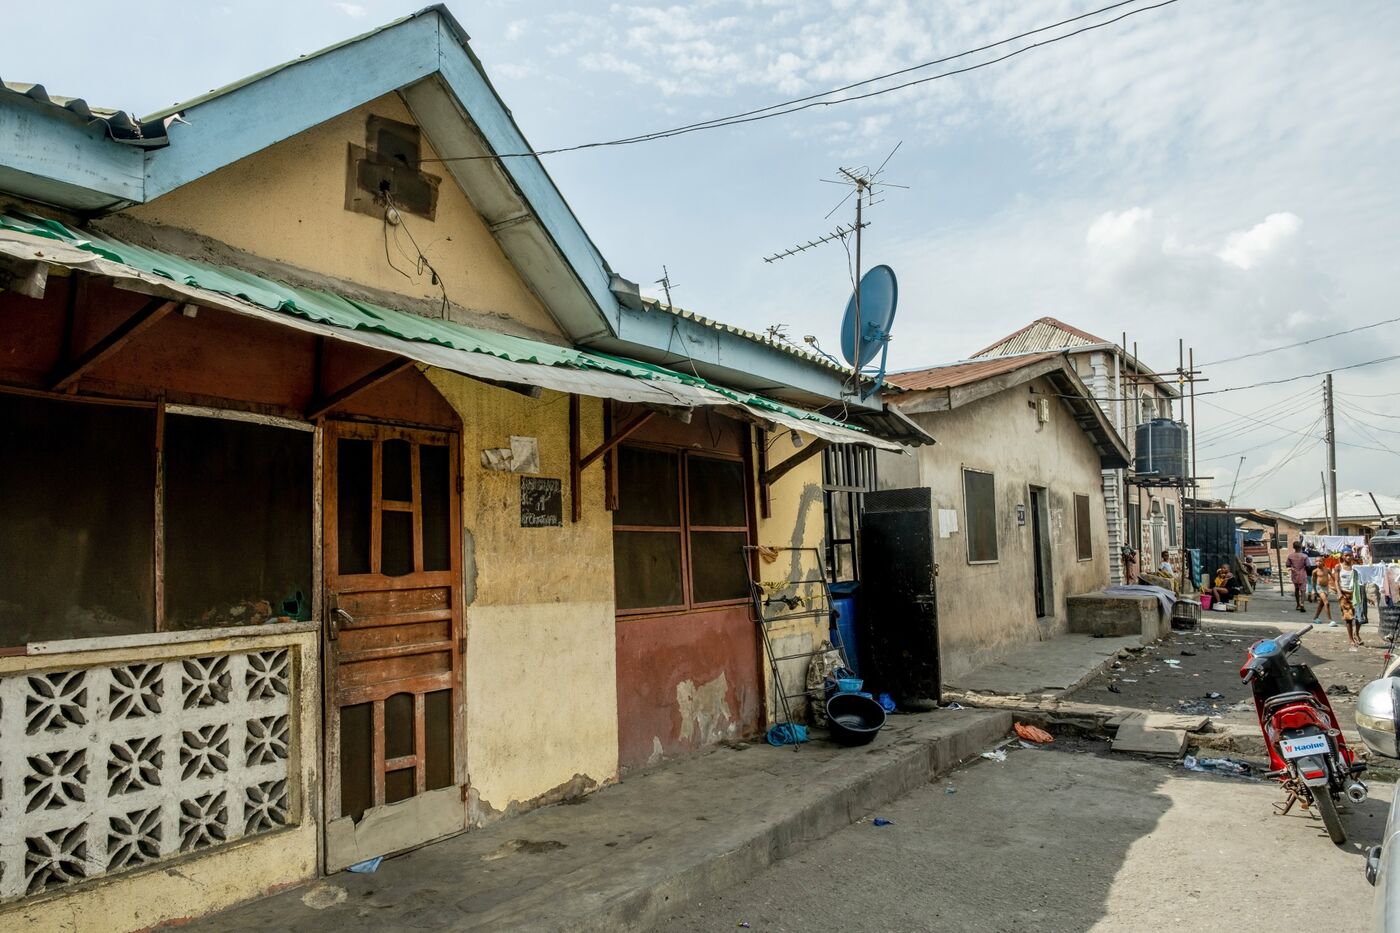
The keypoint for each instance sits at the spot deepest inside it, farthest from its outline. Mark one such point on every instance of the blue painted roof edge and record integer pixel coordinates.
(256, 113)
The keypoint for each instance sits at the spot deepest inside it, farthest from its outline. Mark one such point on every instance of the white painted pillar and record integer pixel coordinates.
(1103, 384)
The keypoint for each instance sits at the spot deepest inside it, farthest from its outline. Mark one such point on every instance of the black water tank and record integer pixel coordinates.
(1160, 446)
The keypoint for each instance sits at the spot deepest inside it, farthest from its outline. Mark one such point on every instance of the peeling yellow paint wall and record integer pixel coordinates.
(287, 203)
(195, 884)
(796, 519)
(541, 662)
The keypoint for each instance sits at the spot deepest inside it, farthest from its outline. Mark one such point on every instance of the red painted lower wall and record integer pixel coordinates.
(671, 699)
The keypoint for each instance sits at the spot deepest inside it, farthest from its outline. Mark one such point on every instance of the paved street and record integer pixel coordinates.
(1063, 841)
(1208, 661)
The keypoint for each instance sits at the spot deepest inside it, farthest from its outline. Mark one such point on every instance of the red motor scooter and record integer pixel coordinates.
(1307, 752)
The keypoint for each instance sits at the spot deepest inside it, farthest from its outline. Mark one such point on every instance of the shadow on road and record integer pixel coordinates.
(1069, 839)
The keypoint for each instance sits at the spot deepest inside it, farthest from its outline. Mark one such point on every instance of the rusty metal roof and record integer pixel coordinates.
(1046, 333)
(963, 373)
(120, 125)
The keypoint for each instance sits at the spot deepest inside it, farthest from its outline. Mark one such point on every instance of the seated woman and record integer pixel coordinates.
(1223, 587)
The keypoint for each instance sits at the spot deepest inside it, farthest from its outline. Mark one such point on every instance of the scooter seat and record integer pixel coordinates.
(1284, 699)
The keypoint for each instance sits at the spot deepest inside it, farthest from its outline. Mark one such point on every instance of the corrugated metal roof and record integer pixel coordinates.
(1046, 333)
(326, 308)
(963, 373)
(120, 125)
(785, 346)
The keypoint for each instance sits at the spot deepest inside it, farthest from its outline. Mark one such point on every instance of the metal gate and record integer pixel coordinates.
(899, 607)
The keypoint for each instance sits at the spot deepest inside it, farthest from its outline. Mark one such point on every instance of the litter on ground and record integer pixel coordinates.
(1033, 734)
(1218, 765)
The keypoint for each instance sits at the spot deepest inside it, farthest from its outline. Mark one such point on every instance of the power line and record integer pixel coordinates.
(1320, 372)
(1238, 415)
(1302, 343)
(1215, 435)
(1364, 430)
(1306, 432)
(799, 104)
(1371, 395)
(1366, 411)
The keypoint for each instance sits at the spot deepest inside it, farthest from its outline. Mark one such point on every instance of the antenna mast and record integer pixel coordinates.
(862, 182)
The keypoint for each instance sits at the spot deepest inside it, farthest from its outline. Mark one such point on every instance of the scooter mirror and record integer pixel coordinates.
(1376, 708)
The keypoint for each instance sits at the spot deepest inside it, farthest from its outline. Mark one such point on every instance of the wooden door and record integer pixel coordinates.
(393, 636)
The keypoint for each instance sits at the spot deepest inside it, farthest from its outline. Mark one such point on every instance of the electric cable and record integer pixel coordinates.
(798, 104)
(1307, 432)
(1366, 411)
(1257, 385)
(1301, 343)
(1230, 431)
(1357, 425)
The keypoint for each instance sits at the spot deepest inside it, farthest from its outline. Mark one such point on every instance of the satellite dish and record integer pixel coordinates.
(879, 295)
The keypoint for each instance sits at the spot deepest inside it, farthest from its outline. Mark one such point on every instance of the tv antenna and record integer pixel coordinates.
(862, 333)
(666, 286)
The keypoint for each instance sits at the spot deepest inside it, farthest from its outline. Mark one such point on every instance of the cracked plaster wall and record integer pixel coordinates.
(540, 672)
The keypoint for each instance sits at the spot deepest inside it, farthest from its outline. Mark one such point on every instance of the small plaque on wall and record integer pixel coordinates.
(541, 502)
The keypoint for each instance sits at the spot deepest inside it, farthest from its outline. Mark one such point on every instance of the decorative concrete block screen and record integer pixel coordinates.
(104, 769)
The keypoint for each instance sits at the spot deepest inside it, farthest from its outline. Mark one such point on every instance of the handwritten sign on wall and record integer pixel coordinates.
(541, 502)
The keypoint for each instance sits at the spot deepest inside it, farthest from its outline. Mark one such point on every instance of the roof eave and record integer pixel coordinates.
(50, 156)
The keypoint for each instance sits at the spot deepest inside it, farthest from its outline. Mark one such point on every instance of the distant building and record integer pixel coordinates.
(1141, 517)
(1017, 492)
(1358, 512)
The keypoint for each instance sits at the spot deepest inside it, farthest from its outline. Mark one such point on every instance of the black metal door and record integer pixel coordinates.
(899, 609)
(1213, 533)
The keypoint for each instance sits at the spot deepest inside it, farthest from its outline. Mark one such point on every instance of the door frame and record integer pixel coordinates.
(330, 431)
(1042, 551)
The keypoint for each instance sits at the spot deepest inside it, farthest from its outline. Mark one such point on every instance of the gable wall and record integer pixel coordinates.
(287, 203)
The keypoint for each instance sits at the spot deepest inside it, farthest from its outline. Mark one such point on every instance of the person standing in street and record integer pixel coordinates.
(1298, 570)
(1322, 582)
(1346, 579)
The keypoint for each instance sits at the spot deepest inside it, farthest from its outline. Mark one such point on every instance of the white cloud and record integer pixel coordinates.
(1193, 172)
(1247, 248)
(352, 10)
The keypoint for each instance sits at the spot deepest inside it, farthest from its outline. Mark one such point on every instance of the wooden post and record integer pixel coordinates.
(575, 453)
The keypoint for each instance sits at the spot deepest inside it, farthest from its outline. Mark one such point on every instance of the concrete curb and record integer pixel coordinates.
(838, 805)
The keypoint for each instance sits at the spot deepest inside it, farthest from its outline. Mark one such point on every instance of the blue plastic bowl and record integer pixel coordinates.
(849, 684)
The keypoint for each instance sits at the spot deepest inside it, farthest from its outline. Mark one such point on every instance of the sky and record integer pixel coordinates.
(1224, 173)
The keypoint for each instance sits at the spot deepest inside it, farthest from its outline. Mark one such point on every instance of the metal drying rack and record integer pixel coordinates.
(763, 604)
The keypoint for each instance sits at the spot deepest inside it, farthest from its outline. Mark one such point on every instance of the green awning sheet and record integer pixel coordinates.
(328, 308)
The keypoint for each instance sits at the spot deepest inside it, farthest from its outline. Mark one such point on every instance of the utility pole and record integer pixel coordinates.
(1231, 501)
(1331, 456)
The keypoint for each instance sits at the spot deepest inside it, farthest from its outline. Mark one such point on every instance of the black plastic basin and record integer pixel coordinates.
(855, 719)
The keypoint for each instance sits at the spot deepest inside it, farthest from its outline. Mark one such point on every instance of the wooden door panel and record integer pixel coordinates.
(373, 603)
(388, 671)
(394, 650)
(355, 641)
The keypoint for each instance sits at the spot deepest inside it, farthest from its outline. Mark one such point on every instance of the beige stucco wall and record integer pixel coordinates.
(287, 203)
(541, 662)
(985, 607)
(195, 884)
(796, 519)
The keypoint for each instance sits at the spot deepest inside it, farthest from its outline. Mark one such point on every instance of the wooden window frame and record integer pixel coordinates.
(159, 624)
(685, 528)
(1079, 555)
(1173, 533)
(967, 520)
